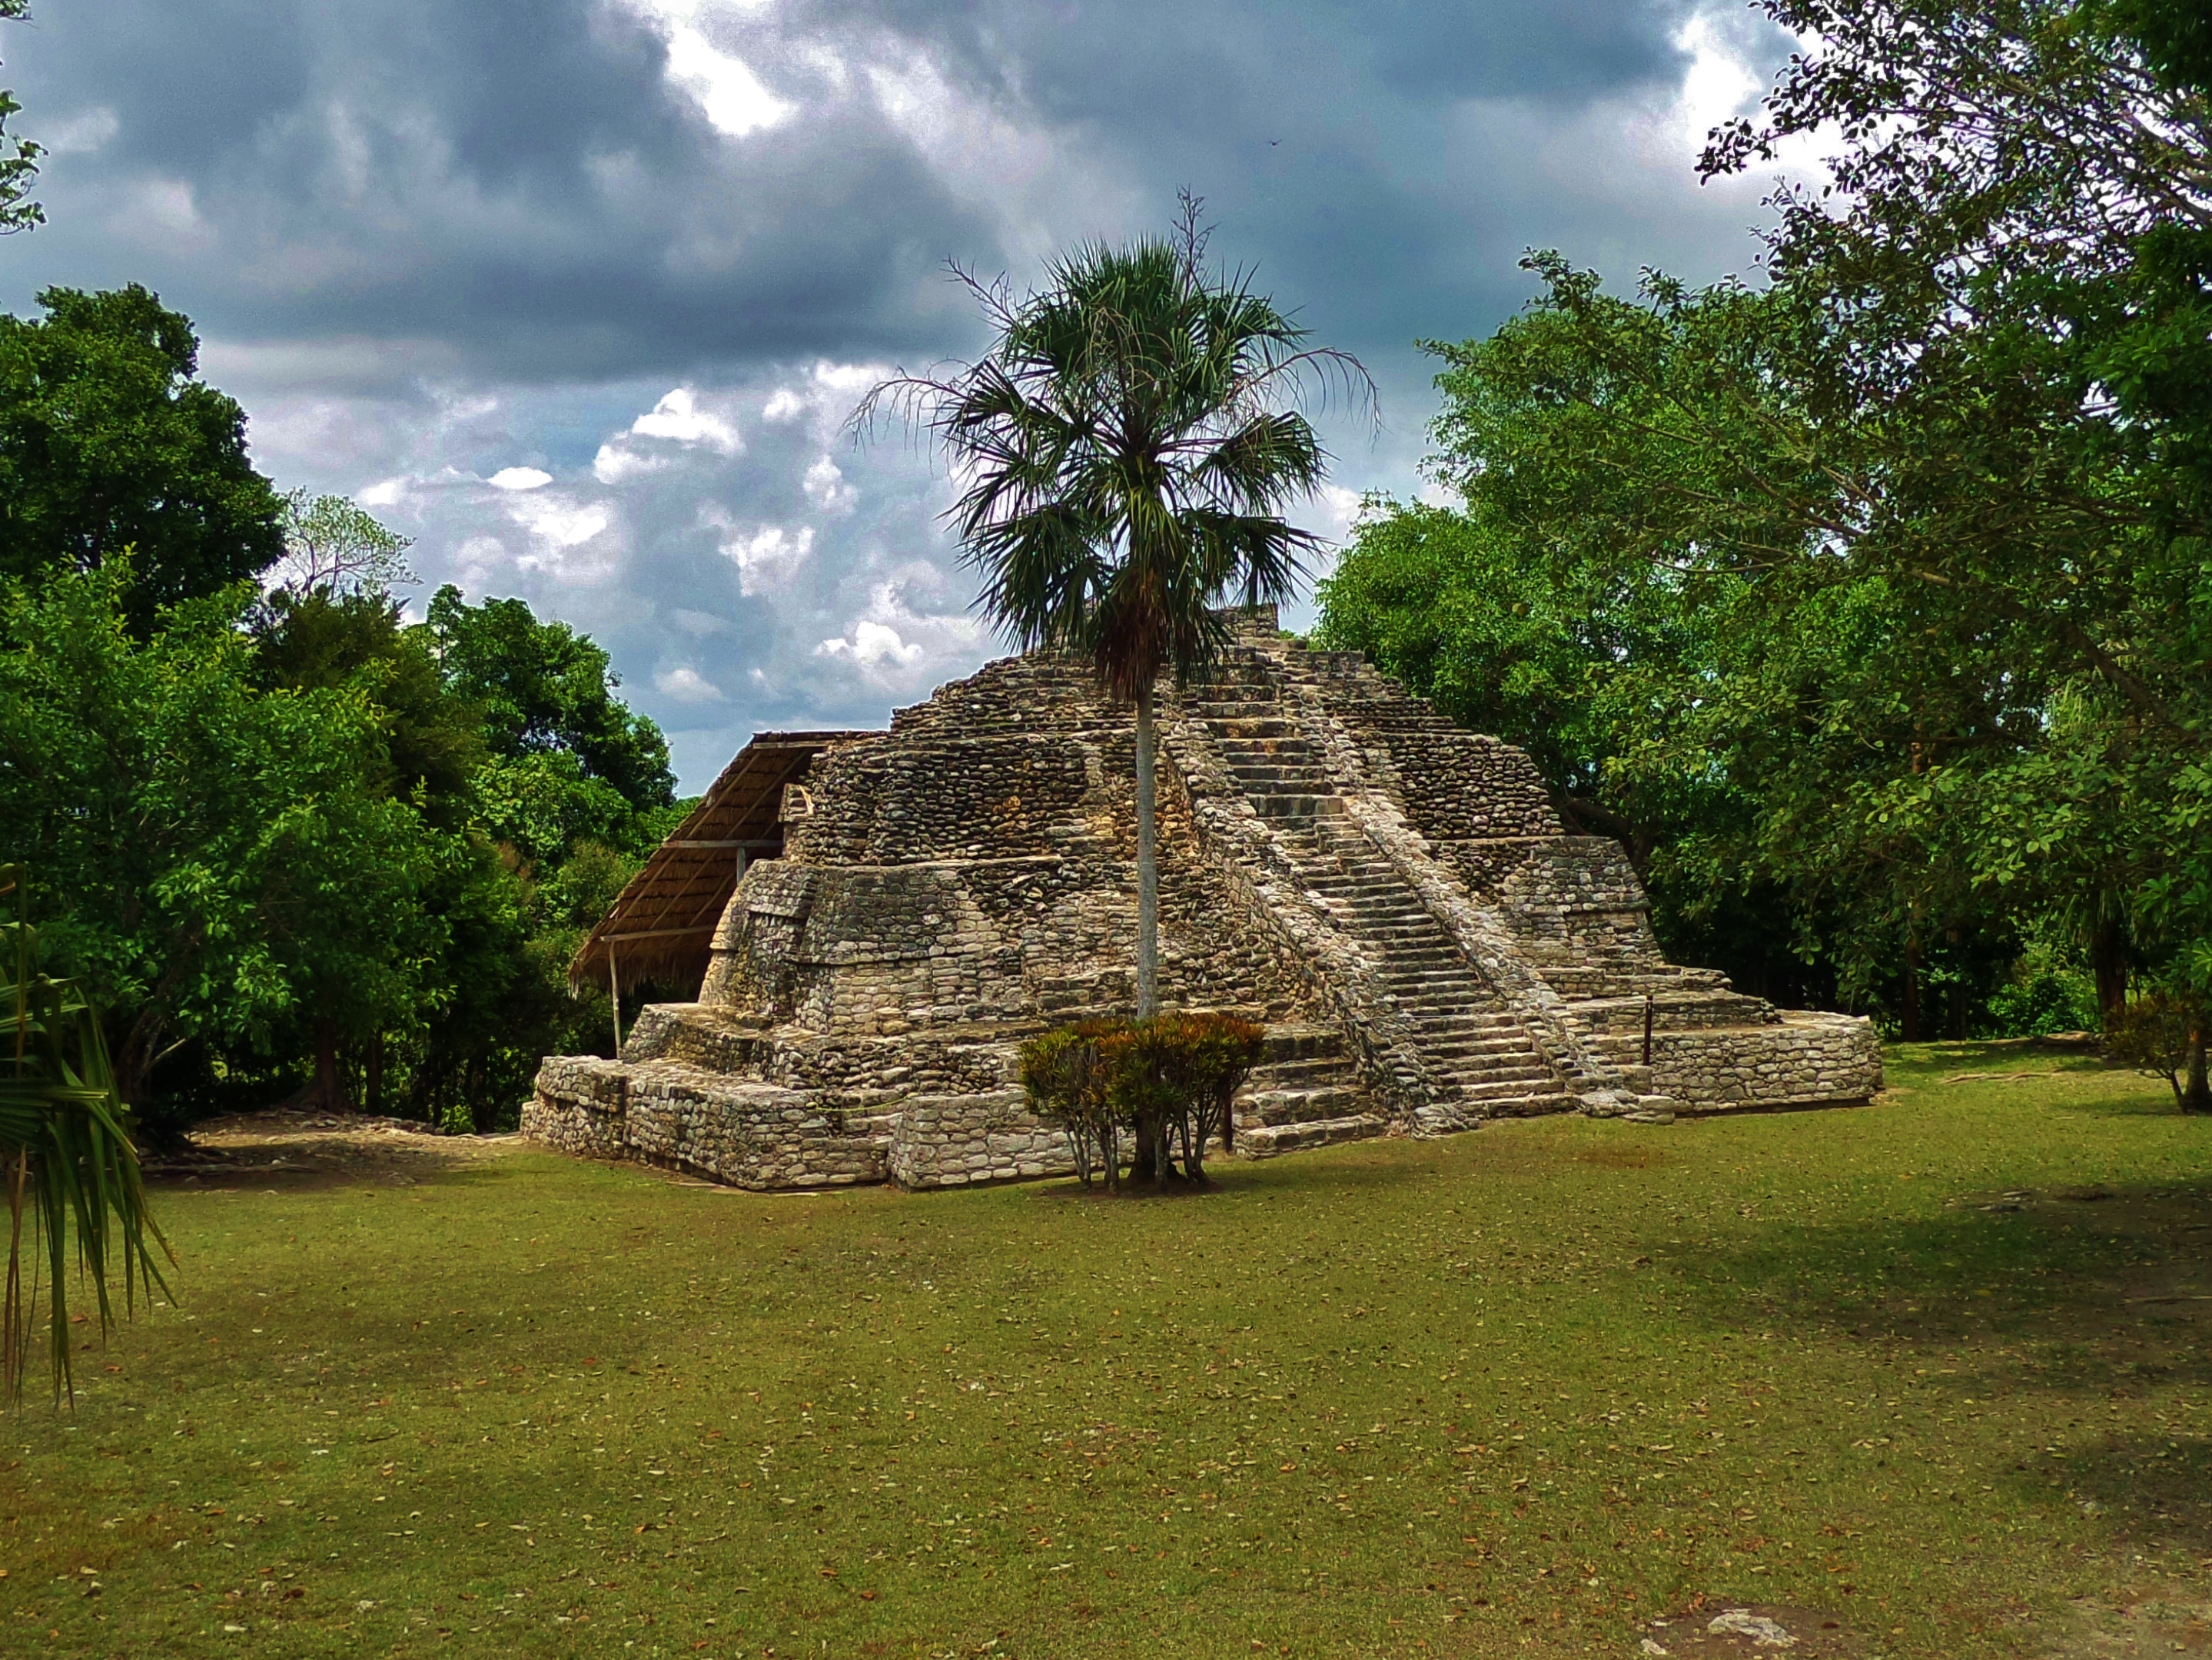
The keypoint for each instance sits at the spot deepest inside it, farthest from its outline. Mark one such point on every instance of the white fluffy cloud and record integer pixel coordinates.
(870, 645)
(769, 557)
(684, 684)
(681, 418)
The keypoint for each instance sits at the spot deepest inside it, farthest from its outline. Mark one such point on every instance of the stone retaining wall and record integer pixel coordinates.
(1804, 1059)
(747, 1133)
(959, 1141)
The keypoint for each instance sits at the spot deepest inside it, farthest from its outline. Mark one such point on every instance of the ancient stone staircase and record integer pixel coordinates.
(1480, 1061)
(1306, 1091)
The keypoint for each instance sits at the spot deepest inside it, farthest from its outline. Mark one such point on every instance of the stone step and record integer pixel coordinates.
(1528, 1081)
(1297, 1042)
(1277, 1107)
(1297, 807)
(1451, 976)
(1470, 1051)
(1254, 723)
(1539, 1106)
(1266, 1141)
(1303, 1074)
(1444, 1027)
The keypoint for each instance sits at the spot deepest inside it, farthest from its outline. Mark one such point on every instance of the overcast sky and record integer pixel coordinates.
(579, 293)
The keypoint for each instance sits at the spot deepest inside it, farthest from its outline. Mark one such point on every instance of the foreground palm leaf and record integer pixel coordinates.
(70, 1165)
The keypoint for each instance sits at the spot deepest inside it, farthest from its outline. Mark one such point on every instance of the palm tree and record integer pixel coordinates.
(1125, 450)
(65, 1156)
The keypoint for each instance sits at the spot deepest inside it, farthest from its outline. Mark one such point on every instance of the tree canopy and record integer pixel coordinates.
(1881, 585)
(109, 441)
(19, 156)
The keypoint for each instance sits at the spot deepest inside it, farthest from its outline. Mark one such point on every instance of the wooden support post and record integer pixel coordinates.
(1648, 1004)
(614, 991)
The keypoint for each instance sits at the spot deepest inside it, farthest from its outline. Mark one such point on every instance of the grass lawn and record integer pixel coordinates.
(1513, 1392)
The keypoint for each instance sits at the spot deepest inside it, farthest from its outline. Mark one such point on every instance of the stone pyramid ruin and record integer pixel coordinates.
(878, 920)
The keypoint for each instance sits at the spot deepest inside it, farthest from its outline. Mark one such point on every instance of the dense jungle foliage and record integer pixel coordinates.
(295, 845)
(1871, 606)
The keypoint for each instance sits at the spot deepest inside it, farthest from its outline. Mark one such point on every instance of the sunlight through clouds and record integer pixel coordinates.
(724, 87)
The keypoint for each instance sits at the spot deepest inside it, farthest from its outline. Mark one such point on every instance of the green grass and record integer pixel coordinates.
(1507, 1393)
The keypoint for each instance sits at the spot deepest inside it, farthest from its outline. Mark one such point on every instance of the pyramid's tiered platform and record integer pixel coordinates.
(1394, 898)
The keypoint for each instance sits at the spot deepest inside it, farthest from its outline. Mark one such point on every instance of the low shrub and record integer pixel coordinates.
(2163, 1033)
(1167, 1083)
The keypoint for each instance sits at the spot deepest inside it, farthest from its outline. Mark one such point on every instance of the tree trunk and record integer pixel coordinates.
(1148, 867)
(134, 1058)
(2108, 961)
(327, 1092)
(2196, 1094)
(376, 1073)
(1911, 1013)
(1144, 1152)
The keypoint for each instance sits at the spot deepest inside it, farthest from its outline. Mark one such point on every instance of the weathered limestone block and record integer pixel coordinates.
(579, 1106)
(1803, 1058)
(750, 1134)
(959, 1141)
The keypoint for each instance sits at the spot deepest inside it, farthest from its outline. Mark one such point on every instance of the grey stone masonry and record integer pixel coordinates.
(1393, 898)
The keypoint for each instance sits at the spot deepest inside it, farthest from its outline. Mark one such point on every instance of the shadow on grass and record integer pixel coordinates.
(2153, 1484)
(308, 1176)
(2106, 1288)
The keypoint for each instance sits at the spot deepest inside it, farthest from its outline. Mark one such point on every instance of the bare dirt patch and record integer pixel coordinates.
(281, 1148)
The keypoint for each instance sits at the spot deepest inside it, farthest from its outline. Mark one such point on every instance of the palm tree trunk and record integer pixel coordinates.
(1148, 867)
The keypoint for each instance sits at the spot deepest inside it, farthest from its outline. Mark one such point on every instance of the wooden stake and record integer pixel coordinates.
(614, 992)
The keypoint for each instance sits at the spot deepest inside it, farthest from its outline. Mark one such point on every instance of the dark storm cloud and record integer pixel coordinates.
(517, 183)
(515, 188)
(578, 292)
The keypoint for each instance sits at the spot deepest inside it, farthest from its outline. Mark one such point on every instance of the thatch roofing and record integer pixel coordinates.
(662, 927)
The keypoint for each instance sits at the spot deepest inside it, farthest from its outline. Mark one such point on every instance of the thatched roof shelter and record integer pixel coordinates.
(662, 927)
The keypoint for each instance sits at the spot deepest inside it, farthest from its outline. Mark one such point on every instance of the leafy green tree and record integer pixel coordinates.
(2011, 300)
(216, 858)
(19, 156)
(109, 442)
(488, 718)
(1127, 445)
(573, 790)
(351, 641)
(334, 545)
(541, 688)
(322, 640)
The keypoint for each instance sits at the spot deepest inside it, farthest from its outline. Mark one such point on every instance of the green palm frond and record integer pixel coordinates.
(67, 1160)
(1126, 450)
